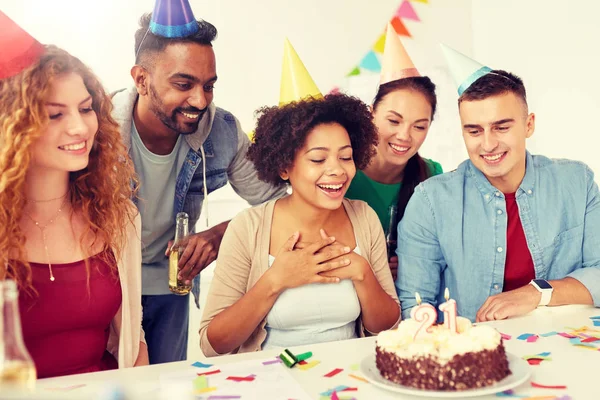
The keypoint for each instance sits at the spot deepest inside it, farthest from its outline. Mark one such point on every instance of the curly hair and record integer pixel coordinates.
(282, 131)
(101, 192)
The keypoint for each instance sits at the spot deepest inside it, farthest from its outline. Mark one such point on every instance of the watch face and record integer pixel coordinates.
(542, 284)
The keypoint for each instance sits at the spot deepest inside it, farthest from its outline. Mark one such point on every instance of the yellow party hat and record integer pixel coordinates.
(296, 82)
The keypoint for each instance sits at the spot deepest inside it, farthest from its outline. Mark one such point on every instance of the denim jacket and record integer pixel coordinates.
(225, 146)
(453, 233)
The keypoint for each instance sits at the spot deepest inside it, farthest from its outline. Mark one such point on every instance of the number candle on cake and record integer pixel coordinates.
(449, 310)
(424, 314)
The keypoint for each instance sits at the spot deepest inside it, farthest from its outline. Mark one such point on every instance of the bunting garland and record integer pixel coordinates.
(370, 62)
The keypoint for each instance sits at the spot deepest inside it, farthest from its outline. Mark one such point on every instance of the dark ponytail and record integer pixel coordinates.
(416, 170)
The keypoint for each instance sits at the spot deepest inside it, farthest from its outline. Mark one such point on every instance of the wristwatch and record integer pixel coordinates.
(545, 288)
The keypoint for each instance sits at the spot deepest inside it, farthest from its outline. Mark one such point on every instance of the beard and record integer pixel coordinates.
(169, 118)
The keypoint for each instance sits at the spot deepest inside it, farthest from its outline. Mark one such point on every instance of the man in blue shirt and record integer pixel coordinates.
(506, 231)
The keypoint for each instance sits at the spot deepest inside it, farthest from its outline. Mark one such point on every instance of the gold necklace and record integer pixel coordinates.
(43, 230)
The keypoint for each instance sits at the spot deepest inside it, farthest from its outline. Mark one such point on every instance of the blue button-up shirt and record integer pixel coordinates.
(453, 233)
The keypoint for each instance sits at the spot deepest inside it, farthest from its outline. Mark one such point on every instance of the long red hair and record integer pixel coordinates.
(101, 193)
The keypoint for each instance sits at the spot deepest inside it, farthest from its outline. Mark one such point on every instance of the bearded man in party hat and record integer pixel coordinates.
(507, 231)
(183, 148)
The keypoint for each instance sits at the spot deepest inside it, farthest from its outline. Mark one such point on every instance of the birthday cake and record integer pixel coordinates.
(438, 358)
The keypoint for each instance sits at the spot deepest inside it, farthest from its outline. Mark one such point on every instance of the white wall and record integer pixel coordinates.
(553, 46)
(330, 36)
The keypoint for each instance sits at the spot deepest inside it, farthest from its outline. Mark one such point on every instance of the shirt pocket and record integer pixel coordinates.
(564, 254)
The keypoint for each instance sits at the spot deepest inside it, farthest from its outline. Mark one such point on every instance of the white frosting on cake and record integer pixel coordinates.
(440, 343)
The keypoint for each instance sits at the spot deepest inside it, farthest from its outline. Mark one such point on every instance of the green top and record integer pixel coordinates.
(381, 196)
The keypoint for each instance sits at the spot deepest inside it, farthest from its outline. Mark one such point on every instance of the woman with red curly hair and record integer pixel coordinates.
(310, 267)
(69, 233)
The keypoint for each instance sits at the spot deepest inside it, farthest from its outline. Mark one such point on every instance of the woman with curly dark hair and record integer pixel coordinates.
(313, 248)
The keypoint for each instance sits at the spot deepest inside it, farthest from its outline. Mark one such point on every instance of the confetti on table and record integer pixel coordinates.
(565, 397)
(216, 371)
(505, 336)
(206, 390)
(201, 365)
(578, 342)
(310, 365)
(597, 322)
(541, 356)
(223, 397)
(354, 367)
(334, 396)
(590, 339)
(547, 334)
(275, 361)
(333, 373)
(350, 389)
(541, 398)
(566, 335)
(240, 378)
(595, 317)
(525, 336)
(540, 386)
(335, 389)
(532, 339)
(534, 361)
(200, 382)
(304, 356)
(509, 393)
(66, 388)
(360, 378)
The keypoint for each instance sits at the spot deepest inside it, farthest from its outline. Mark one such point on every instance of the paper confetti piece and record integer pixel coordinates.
(541, 356)
(302, 362)
(66, 388)
(206, 390)
(509, 393)
(275, 361)
(334, 396)
(354, 367)
(534, 361)
(304, 356)
(505, 336)
(333, 373)
(532, 338)
(240, 378)
(578, 342)
(216, 371)
(350, 389)
(590, 339)
(548, 334)
(200, 382)
(537, 385)
(201, 365)
(525, 336)
(360, 378)
(595, 317)
(586, 346)
(566, 335)
(223, 397)
(597, 322)
(565, 397)
(335, 389)
(310, 365)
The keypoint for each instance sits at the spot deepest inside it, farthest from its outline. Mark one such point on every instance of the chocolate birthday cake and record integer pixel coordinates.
(472, 357)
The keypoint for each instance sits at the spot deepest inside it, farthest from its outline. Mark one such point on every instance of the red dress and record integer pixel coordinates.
(66, 327)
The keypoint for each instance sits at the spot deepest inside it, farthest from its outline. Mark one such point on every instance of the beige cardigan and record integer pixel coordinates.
(244, 258)
(126, 328)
